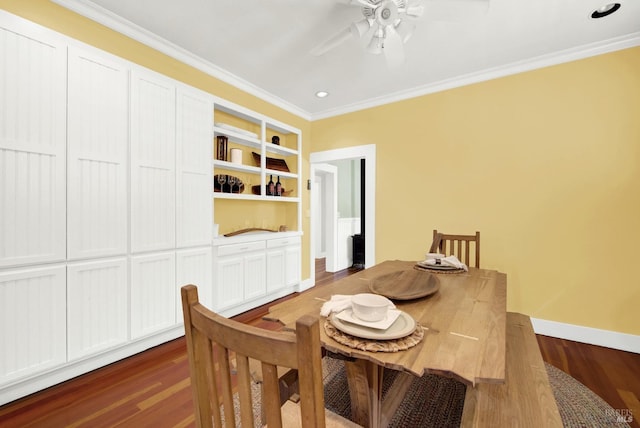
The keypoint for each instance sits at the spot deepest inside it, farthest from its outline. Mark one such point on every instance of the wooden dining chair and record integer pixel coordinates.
(457, 245)
(213, 342)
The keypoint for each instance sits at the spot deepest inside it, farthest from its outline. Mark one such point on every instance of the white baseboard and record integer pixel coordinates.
(593, 336)
(305, 284)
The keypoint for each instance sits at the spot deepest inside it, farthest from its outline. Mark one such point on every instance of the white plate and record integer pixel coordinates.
(402, 327)
(348, 316)
(438, 267)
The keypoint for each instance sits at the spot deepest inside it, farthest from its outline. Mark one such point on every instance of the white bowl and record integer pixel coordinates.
(370, 307)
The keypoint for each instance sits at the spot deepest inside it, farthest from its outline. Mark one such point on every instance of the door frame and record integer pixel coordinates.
(328, 199)
(368, 153)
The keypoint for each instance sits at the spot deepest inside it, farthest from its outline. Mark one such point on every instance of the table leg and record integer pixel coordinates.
(365, 389)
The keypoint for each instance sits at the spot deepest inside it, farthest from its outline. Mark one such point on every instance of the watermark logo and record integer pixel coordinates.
(620, 415)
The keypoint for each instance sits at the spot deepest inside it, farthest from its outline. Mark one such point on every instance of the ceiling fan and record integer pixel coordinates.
(387, 24)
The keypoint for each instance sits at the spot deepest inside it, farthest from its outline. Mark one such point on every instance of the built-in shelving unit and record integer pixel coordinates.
(255, 268)
(252, 132)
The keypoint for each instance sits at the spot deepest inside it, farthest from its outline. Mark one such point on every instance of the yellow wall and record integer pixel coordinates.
(59, 19)
(546, 164)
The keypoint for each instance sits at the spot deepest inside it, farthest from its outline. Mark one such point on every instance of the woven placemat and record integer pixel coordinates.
(393, 345)
(426, 269)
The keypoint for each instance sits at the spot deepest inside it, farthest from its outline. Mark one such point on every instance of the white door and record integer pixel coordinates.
(97, 306)
(194, 164)
(292, 264)
(255, 275)
(153, 136)
(33, 325)
(324, 202)
(32, 149)
(275, 269)
(194, 267)
(153, 293)
(229, 282)
(98, 121)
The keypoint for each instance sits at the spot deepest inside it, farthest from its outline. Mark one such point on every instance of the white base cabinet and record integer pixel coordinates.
(254, 269)
(194, 266)
(33, 325)
(283, 263)
(97, 306)
(153, 304)
(239, 274)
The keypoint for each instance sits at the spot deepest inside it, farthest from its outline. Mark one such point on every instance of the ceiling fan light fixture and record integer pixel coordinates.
(377, 42)
(375, 45)
(605, 10)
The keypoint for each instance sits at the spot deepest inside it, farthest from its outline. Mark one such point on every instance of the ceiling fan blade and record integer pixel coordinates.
(455, 10)
(359, 28)
(393, 47)
(332, 42)
(414, 9)
(365, 3)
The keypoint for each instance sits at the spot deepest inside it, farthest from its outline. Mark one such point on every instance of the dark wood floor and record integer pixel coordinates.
(152, 389)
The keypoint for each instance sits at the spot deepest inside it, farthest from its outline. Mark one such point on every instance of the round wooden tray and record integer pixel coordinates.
(405, 284)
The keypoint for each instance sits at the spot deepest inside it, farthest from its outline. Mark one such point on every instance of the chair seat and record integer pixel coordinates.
(291, 417)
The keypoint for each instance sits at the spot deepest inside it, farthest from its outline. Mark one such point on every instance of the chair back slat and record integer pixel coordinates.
(216, 346)
(457, 245)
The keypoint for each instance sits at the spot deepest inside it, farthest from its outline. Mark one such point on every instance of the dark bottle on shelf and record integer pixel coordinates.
(278, 188)
(271, 187)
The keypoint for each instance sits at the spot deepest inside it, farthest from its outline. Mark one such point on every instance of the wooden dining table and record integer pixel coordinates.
(463, 322)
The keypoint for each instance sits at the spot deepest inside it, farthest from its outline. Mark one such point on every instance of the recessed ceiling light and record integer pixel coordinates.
(605, 10)
(322, 94)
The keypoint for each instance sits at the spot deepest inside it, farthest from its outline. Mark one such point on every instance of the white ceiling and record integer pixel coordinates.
(263, 46)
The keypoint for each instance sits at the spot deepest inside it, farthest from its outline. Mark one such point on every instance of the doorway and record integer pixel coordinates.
(323, 202)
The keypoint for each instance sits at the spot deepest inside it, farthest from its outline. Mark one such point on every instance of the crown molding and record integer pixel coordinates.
(117, 23)
(108, 19)
(560, 57)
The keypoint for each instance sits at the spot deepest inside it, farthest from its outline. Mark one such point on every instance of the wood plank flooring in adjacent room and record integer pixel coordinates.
(152, 389)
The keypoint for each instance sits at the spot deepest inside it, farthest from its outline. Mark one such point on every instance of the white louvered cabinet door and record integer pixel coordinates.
(153, 293)
(32, 321)
(194, 163)
(293, 259)
(153, 159)
(32, 149)
(194, 267)
(96, 306)
(275, 269)
(255, 273)
(229, 282)
(98, 144)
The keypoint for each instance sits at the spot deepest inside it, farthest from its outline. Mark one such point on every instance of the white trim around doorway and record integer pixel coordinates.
(368, 153)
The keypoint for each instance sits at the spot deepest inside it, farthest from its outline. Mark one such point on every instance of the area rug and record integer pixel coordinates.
(436, 401)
